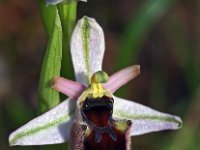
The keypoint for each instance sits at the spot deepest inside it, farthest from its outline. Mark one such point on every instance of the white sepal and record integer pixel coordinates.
(144, 119)
(50, 128)
(87, 49)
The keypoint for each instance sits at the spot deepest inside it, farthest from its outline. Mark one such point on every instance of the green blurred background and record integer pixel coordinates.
(163, 36)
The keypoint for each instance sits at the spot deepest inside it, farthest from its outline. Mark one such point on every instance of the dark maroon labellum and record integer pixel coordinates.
(105, 134)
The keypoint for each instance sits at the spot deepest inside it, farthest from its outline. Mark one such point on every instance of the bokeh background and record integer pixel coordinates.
(163, 36)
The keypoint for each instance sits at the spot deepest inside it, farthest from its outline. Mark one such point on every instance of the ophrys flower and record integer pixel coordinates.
(87, 50)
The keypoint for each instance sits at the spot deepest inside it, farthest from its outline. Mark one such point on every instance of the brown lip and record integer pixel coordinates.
(97, 111)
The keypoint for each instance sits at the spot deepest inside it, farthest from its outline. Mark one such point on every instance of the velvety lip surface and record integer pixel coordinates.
(107, 143)
(98, 111)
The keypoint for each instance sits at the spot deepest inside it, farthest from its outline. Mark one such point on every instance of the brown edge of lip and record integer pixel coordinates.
(136, 68)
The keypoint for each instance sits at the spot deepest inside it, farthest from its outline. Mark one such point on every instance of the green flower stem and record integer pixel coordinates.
(67, 14)
(48, 14)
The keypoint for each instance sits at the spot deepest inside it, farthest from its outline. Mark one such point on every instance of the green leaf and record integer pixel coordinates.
(49, 98)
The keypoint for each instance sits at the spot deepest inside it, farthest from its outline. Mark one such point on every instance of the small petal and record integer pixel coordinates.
(144, 119)
(87, 49)
(55, 2)
(50, 128)
(121, 77)
(68, 87)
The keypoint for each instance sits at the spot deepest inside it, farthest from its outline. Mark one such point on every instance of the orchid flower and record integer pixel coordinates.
(87, 50)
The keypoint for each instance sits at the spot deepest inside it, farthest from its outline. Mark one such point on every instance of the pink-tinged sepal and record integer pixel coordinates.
(121, 77)
(68, 87)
